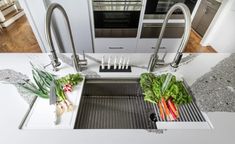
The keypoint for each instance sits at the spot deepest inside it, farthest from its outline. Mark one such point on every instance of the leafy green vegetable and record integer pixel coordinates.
(72, 79)
(152, 87)
(43, 82)
(146, 82)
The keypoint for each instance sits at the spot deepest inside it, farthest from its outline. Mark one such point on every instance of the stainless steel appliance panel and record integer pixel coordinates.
(204, 16)
(173, 30)
(117, 5)
(156, 9)
(115, 33)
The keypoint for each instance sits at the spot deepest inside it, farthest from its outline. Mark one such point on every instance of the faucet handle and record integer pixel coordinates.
(83, 62)
(79, 64)
(55, 63)
(177, 60)
(84, 56)
(152, 62)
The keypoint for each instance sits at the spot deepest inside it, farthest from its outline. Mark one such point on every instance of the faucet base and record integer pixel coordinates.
(79, 64)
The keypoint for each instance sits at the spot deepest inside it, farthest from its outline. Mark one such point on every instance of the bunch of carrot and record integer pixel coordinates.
(166, 99)
(168, 110)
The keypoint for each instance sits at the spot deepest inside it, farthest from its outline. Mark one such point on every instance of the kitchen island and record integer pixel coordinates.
(14, 108)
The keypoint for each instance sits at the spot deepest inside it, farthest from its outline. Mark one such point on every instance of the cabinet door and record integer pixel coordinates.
(148, 45)
(78, 13)
(115, 45)
(36, 12)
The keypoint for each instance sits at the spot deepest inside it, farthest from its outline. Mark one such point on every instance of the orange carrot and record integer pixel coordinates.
(162, 115)
(172, 114)
(167, 112)
(173, 107)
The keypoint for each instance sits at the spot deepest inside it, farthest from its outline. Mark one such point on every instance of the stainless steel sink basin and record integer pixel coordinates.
(114, 104)
(119, 104)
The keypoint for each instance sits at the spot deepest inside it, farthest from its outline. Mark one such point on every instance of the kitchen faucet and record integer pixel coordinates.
(78, 63)
(187, 17)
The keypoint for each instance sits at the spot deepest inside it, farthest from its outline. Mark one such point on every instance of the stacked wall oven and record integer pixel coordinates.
(116, 18)
(156, 9)
(128, 26)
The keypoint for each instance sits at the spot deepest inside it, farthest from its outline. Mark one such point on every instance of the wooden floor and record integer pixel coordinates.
(194, 46)
(19, 38)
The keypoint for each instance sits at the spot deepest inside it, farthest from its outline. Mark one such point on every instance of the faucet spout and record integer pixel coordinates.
(55, 62)
(185, 38)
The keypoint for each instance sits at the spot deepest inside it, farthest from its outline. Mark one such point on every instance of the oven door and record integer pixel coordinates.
(117, 5)
(152, 30)
(156, 9)
(114, 18)
(116, 23)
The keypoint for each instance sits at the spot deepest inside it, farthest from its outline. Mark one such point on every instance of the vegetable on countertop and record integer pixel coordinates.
(43, 81)
(174, 94)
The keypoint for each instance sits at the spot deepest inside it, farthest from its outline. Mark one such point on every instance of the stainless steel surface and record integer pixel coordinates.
(204, 16)
(173, 30)
(157, 9)
(187, 29)
(161, 16)
(164, 5)
(187, 112)
(119, 104)
(117, 5)
(55, 62)
(114, 104)
(115, 32)
(116, 47)
(27, 113)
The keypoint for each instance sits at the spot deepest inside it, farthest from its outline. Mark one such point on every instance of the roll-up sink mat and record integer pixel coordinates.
(119, 104)
(114, 106)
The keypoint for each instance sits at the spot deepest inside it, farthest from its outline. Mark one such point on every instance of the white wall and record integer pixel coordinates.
(221, 33)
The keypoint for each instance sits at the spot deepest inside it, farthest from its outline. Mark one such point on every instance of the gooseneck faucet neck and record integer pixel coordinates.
(55, 61)
(185, 38)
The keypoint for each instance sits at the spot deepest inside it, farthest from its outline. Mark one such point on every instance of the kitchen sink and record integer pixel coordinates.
(114, 104)
(119, 104)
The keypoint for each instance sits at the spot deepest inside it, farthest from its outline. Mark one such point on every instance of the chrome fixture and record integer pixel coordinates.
(78, 64)
(187, 17)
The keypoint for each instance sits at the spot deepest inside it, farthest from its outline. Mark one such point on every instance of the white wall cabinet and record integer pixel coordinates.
(78, 13)
(35, 12)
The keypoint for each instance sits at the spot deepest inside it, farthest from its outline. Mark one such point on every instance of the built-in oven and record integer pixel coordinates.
(116, 18)
(152, 30)
(156, 9)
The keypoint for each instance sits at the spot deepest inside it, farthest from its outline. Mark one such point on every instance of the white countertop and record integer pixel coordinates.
(13, 108)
